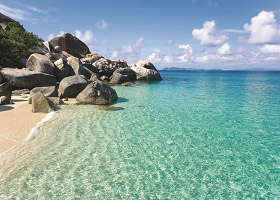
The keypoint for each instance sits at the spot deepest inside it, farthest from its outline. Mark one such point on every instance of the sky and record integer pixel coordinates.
(202, 34)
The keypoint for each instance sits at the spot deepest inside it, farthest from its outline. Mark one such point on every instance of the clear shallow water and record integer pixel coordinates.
(193, 135)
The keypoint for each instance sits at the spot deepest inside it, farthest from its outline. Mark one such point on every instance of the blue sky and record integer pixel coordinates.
(223, 34)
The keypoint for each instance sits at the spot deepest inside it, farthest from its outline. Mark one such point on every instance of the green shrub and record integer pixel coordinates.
(15, 42)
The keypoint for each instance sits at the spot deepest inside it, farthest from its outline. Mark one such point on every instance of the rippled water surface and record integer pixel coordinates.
(193, 135)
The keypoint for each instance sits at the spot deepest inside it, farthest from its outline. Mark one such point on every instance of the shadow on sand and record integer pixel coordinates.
(5, 108)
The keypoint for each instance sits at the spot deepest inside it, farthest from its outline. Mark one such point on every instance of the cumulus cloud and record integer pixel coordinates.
(154, 58)
(270, 48)
(102, 25)
(171, 43)
(207, 36)
(224, 50)
(168, 59)
(263, 29)
(186, 54)
(51, 36)
(87, 37)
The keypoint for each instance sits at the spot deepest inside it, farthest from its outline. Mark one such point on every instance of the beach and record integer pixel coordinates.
(16, 121)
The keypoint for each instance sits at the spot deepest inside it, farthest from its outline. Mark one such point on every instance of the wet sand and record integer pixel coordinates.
(16, 121)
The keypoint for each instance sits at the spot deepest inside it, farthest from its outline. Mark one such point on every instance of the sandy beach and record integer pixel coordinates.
(16, 121)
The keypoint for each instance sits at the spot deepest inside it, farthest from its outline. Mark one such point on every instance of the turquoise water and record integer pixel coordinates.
(212, 135)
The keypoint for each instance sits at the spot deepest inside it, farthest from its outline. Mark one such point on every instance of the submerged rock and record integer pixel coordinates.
(25, 79)
(41, 104)
(146, 71)
(40, 63)
(97, 93)
(109, 108)
(71, 86)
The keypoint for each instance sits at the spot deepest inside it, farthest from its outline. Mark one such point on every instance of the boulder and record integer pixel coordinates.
(127, 71)
(120, 64)
(76, 66)
(6, 91)
(25, 79)
(127, 84)
(40, 63)
(118, 78)
(92, 57)
(50, 91)
(71, 86)
(71, 45)
(56, 100)
(41, 104)
(49, 46)
(105, 78)
(21, 92)
(1, 78)
(146, 71)
(4, 100)
(105, 67)
(94, 77)
(40, 49)
(57, 49)
(90, 67)
(97, 93)
(87, 73)
(55, 56)
(62, 69)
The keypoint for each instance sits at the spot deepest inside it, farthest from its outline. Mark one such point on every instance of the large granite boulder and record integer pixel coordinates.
(40, 63)
(26, 79)
(1, 78)
(94, 77)
(62, 69)
(55, 56)
(105, 67)
(50, 91)
(71, 86)
(118, 78)
(97, 93)
(56, 100)
(71, 45)
(127, 71)
(76, 66)
(146, 71)
(41, 104)
(5, 91)
(40, 49)
(92, 57)
(119, 64)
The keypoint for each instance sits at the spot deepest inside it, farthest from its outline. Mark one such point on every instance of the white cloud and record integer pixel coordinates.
(154, 58)
(50, 37)
(102, 25)
(168, 59)
(171, 43)
(35, 9)
(115, 54)
(224, 50)
(186, 56)
(127, 49)
(271, 48)
(263, 29)
(17, 14)
(156, 50)
(207, 36)
(139, 41)
(87, 37)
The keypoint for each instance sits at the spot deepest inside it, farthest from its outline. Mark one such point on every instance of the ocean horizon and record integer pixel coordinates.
(193, 135)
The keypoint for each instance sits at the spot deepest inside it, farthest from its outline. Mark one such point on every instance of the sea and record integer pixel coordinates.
(194, 135)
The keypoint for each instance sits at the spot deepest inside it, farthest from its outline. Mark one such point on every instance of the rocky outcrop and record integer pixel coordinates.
(40, 63)
(25, 79)
(71, 86)
(118, 78)
(94, 77)
(55, 56)
(76, 66)
(119, 64)
(56, 101)
(5, 19)
(62, 69)
(97, 93)
(127, 71)
(92, 57)
(104, 67)
(5, 93)
(41, 104)
(71, 45)
(146, 71)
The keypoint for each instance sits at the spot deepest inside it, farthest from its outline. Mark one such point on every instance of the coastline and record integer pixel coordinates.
(16, 122)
